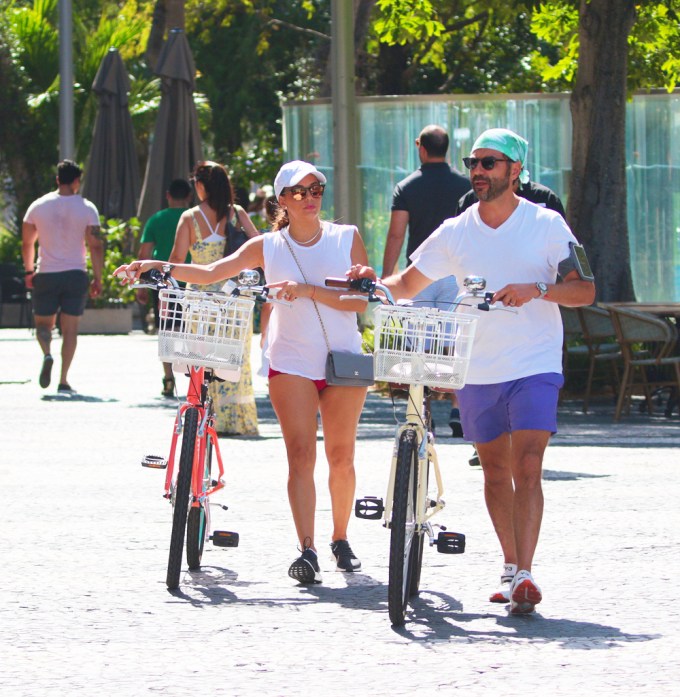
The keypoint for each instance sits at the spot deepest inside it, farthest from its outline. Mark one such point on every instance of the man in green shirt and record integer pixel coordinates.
(157, 241)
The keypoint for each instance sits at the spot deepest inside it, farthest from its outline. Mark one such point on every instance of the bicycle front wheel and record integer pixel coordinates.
(403, 527)
(199, 516)
(182, 495)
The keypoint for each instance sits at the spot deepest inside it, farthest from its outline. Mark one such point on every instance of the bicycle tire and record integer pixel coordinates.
(198, 521)
(402, 529)
(182, 494)
(417, 554)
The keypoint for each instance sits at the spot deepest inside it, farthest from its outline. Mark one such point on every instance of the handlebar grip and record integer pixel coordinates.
(338, 283)
(363, 285)
(151, 276)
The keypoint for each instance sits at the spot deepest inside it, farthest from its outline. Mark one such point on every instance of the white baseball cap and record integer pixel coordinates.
(293, 173)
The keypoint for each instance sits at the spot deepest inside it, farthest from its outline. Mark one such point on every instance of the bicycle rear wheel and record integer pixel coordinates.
(403, 527)
(198, 522)
(182, 495)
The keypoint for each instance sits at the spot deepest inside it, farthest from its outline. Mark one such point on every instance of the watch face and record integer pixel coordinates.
(542, 288)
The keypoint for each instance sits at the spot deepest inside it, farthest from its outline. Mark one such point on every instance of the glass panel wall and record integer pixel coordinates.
(388, 126)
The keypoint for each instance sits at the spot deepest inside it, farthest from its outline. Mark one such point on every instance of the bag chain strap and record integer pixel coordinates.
(318, 314)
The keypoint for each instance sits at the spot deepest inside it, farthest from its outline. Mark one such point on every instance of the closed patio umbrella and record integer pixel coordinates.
(176, 144)
(111, 178)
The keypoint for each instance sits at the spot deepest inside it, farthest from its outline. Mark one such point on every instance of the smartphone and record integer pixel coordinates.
(578, 254)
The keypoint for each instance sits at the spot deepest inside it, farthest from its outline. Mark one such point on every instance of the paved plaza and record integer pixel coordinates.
(84, 537)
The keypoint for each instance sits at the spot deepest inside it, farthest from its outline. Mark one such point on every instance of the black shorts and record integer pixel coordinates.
(64, 290)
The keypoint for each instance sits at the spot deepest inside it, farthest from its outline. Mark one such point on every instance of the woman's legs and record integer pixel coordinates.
(296, 402)
(340, 411)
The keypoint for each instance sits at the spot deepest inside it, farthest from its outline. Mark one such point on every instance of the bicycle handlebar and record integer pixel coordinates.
(156, 280)
(367, 286)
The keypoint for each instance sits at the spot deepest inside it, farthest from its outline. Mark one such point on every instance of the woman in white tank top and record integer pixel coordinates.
(297, 257)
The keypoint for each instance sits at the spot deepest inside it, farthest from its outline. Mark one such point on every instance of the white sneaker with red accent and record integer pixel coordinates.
(502, 595)
(525, 594)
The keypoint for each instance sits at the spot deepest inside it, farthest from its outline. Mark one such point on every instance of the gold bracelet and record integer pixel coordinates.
(311, 297)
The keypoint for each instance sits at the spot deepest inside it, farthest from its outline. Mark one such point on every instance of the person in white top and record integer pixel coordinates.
(297, 257)
(509, 404)
(63, 224)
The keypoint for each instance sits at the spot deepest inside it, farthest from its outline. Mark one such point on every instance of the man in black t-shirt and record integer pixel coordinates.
(531, 191)
(421, 203)
(425, 199)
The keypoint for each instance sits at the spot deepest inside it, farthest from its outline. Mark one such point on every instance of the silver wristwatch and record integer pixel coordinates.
(542, 289)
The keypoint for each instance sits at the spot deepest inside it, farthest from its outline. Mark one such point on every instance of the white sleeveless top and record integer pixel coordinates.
(296, 340)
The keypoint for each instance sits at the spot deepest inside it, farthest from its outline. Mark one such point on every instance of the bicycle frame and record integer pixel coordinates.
(197, 398)
(426, 454)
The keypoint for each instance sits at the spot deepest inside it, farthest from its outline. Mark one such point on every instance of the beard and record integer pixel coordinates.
(495, 186)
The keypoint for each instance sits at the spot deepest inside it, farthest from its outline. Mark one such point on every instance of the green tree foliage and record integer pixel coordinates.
(29, 55)
(653, 43)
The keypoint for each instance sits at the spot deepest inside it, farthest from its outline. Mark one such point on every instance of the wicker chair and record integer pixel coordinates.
(660, 339)
(600, 338)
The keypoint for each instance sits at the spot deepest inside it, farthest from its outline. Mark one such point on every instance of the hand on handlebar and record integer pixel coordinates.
(358, 271)
(515, 294)
(130, 273)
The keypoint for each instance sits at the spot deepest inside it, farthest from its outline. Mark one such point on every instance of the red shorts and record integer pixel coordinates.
(320, 384)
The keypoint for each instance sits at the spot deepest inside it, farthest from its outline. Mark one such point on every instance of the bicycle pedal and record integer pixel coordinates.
(369, 508)
(451, 542)
(223, 538)
(155, 462)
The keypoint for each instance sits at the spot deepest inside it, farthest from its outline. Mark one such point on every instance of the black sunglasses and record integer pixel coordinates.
(299, 193)
(488, 163)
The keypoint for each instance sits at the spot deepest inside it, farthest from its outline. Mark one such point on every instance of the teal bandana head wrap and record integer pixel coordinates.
(507, 142)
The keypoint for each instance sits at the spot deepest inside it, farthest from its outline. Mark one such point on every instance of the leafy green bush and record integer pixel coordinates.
(10, 247)
(120, 239)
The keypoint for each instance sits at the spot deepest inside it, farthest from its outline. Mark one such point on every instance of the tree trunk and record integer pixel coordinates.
(156, 35)
(174, 18)
(597, 210)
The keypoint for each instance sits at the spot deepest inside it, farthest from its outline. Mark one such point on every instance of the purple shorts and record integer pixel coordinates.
(530, 403)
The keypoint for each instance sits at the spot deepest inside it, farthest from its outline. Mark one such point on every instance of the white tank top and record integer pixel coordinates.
(295, 336)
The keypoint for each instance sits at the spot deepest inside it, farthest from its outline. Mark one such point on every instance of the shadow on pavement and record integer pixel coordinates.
(439, 617)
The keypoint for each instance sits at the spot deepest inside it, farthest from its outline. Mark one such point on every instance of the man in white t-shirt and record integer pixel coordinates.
(509, 403)
(63, 224)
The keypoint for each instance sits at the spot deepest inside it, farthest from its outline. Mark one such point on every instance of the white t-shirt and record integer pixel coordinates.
(526, 248)
(296, 340)
(61, 222)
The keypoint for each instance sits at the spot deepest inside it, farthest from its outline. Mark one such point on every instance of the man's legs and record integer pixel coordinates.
(44, 324)
(69, 340)
(512, 465)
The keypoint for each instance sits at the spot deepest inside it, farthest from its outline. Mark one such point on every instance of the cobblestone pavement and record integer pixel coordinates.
(84, 535)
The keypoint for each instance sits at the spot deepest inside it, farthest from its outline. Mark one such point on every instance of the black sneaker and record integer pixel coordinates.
(65, 388)
(454, 422)
(46, 371)
(344, 556)
(305, 569)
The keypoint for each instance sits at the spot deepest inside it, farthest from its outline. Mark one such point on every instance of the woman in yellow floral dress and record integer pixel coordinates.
(203, 231)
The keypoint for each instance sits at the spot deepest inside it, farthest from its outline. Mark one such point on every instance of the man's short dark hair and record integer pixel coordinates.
(435, 140)
(68, 171)
(179, 189)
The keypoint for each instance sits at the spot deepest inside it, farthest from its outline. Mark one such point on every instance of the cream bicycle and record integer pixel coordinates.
(424, 348)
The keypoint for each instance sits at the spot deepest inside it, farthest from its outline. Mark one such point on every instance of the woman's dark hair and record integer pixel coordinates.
(280, 218)
(219, 194)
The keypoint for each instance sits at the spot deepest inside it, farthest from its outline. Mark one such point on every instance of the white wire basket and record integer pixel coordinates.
(422, 345)
(205, 329)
